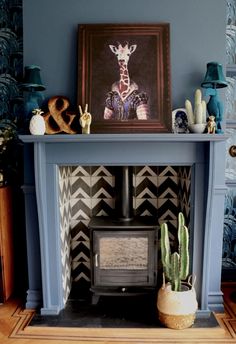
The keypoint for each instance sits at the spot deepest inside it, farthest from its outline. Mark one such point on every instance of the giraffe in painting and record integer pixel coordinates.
(123, 55)
(125, 102)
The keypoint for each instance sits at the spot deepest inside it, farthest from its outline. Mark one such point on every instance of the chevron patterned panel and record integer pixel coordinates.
(80, 187)
(103, 187)
(80, 253)
(105, 171)
(157, 191)
(65, 219)
(185, 192)
(103, 207)
(145, 190)
(80, 171)
(142, 171)
(167, 199)
(81, 193)
(92, 194)
(146, 207)
(103, 191)
(64, 184)
(167, 186)
(81, 208)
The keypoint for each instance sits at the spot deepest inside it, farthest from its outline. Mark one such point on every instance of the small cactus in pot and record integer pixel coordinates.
(176, 300)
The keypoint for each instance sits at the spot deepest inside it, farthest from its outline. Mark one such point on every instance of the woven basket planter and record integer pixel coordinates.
(177, 309)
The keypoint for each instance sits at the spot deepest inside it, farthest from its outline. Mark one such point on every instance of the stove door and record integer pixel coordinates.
(124, 258)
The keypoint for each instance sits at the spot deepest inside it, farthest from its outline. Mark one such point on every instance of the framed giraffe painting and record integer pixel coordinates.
(124, 77)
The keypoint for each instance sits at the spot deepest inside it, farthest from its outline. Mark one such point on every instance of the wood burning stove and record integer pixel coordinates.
(123, 248)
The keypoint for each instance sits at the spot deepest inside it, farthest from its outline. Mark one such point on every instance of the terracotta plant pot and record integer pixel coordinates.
(177, 309)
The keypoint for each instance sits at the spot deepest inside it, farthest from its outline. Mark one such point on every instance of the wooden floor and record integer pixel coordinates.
(14, 329)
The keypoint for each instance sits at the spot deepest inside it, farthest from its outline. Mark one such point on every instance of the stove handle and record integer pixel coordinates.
(96, 260)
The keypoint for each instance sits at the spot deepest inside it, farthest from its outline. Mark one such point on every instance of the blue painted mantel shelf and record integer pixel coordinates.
(203, 152)
(123, 137)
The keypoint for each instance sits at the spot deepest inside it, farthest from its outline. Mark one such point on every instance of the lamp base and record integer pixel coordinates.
(33, 100)
(215, 108)
(219, 128)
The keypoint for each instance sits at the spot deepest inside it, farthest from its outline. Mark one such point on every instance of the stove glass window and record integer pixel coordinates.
(126, 253)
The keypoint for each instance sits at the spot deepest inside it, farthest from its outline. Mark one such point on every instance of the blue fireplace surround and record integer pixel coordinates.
(44, 154)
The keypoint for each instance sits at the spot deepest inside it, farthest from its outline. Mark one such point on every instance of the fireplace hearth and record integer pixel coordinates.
(48, 217)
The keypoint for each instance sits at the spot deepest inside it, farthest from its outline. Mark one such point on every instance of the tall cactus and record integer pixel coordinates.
(176, 265)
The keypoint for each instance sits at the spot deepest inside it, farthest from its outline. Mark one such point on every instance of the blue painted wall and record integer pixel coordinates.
(197, 37)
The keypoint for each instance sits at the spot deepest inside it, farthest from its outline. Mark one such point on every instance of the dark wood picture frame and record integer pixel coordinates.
(149, 68)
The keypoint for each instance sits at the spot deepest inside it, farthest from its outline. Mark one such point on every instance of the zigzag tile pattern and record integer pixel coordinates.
(185, 192)
(145, 190)
(80, 252)
(81, 207)
(65, 233)
(157, 191)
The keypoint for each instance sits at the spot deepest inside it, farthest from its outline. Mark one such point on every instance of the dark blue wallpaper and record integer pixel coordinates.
(11, 59)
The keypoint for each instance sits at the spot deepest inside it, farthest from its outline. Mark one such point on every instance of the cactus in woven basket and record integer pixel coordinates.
(175, 265)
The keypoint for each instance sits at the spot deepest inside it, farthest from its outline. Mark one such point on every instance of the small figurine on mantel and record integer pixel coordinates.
(211, 125)
(85, 119)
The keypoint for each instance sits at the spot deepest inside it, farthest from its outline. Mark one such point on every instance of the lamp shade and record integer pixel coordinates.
(214, 77)
(32, 79)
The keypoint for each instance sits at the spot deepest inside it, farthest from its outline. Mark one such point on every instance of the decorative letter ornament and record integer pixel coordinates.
(57, 119)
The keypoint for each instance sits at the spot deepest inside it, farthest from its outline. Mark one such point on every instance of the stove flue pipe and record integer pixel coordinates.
(124, 192)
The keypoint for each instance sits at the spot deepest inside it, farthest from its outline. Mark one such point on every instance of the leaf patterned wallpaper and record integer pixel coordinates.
(229, 237)
(11, 59)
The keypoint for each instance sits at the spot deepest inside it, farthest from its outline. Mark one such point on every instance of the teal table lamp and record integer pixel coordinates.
(213, 80)
(32, 85)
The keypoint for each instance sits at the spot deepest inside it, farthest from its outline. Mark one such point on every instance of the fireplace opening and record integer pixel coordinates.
(155, 194)
(109, 221)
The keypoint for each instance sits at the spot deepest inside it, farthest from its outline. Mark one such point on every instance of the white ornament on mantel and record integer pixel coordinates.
(37, 124)
(198, 114)
(85, 119)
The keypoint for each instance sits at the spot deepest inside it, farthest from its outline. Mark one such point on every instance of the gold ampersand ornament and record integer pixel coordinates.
(57, 120)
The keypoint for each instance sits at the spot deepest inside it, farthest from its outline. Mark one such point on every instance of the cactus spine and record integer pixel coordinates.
(176, 265)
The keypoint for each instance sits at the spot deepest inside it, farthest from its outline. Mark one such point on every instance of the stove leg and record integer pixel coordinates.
(95, 299)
